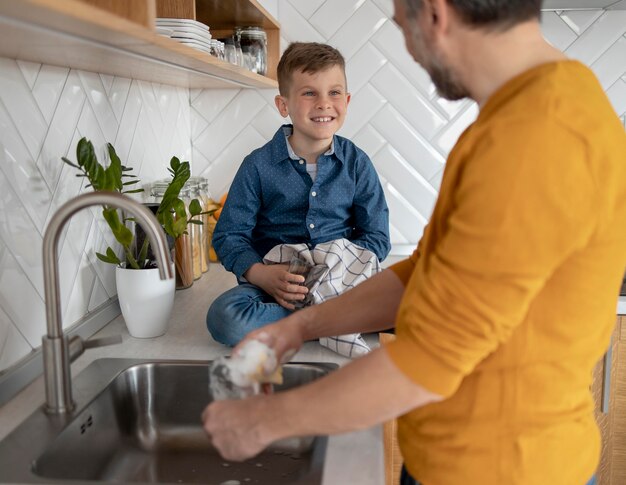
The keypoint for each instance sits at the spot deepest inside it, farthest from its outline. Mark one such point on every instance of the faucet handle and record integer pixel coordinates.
(77, 345)
(102, 341)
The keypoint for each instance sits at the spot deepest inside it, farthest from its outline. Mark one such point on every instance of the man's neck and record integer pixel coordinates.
(494, 58)
(308, 149)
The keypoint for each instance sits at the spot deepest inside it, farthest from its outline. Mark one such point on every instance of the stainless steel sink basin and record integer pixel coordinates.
(139, 422)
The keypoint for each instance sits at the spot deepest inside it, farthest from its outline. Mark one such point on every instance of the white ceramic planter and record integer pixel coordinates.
(146, 301)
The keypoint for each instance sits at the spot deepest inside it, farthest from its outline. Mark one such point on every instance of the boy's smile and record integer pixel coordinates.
(317, 104)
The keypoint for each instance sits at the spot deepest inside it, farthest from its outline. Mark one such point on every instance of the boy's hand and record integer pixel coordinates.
(277, 281)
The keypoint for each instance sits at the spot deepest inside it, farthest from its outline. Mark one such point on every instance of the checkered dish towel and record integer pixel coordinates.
(341, 265)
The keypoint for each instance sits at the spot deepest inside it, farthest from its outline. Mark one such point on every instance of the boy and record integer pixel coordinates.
(306, 185)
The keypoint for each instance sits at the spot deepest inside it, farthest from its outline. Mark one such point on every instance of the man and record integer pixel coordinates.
(509, 299)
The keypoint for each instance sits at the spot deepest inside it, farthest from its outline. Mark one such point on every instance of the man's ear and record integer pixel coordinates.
(281, 104)
(438, 14)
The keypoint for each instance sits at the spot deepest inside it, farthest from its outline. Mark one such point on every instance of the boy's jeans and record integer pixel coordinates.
(406, 479)
(239, 311)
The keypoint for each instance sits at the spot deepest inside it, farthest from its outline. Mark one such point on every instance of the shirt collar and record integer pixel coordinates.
(283, 149)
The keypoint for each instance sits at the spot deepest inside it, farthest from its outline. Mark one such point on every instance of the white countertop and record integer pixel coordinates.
(351, 458)
(621, 305)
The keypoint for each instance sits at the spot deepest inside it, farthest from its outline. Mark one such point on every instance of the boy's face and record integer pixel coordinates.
(317, 104)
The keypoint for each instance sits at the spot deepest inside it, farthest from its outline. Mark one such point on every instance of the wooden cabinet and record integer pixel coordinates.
(223, 17)
(117, 37)
(609, 390)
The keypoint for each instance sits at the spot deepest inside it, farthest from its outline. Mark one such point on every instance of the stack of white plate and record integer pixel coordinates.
(186, 31)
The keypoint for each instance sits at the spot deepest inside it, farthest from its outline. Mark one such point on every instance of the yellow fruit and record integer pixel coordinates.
(212, 255)
(223, 199)
(217, 213)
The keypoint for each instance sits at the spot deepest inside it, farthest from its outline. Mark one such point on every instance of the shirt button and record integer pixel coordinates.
(301, 162)
(312, 226)
(314, 194)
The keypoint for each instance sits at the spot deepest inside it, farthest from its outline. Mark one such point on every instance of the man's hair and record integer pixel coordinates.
(309, 57)
(488, 13)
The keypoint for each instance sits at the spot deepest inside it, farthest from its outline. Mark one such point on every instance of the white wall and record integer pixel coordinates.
(394, 115)
(44, 111)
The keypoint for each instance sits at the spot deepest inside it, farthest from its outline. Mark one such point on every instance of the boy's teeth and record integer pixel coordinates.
(323, 119)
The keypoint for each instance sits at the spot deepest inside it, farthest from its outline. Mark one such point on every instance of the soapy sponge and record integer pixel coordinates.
(242, 375)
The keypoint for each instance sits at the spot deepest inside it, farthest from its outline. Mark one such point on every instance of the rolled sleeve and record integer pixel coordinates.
(507, 230)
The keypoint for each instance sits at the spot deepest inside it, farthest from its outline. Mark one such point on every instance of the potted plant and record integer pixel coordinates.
(145, 300)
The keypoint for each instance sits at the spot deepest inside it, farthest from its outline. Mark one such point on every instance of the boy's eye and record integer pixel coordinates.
(308, 93)
(335, 93)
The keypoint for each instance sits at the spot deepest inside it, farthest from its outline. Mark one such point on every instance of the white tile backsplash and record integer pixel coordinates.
(395, 116)
(599, 37)
(330, 16)
(44, 110)
(580, 20)
(358, 29)
(557, 32)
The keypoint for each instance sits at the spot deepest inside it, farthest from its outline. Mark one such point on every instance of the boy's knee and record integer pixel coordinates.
(222, 323)
(218, 328)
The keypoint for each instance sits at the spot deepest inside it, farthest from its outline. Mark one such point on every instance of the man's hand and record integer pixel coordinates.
(235, 427)
(277, 281)
(285, 337)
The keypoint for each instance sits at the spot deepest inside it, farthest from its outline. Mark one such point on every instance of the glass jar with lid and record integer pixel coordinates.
(195, 232)
(254, 46)
(206, 202)
(183, 254)
(201, 192)
(181, 246)
(238, 52)
(217, 49)
(230, 52)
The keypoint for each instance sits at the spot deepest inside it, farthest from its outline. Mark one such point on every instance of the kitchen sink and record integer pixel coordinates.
(139, 422)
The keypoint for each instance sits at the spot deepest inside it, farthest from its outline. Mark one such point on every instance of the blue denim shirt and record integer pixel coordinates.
(273, 200)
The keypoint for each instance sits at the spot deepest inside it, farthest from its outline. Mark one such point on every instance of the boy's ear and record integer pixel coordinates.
(281, 104)
(348, 97)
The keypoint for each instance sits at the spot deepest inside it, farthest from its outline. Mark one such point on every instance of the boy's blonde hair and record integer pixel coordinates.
(310, 57)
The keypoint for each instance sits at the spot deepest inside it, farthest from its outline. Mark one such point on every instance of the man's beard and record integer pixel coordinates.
(442, 77)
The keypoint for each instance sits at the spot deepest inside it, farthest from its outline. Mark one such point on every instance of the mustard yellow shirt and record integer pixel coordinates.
(511, 294)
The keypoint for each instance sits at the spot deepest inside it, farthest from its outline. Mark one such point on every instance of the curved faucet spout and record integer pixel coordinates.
(55, 344)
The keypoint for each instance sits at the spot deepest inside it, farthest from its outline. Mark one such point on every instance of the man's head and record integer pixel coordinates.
(313, 92)
(497, 14)
(421, 21)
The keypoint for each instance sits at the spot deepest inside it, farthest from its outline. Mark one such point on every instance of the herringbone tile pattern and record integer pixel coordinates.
(395, 114)
(44, 111)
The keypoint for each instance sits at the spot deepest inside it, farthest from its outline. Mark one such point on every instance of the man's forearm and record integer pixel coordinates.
(368, 391)
(370, 307)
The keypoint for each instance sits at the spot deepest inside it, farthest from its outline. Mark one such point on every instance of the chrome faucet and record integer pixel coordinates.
(57, 349)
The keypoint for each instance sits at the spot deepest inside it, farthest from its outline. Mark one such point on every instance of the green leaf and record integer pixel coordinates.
(110, 257)
(194, 207)
(122, 234)
(70, 163)
(114, 176)
(143, 252)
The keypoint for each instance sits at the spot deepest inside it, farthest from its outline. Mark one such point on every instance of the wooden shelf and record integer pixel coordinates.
(75, 34)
